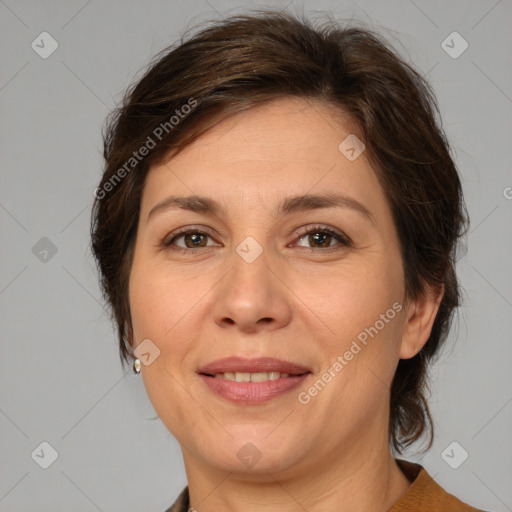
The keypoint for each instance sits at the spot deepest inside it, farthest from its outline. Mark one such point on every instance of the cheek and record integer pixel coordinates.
(159, 313)
(363, 309)
(353, 297)
(144, 301)
(157, 300)
(167, 307)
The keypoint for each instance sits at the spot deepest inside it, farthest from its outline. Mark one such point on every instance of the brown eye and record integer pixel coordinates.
(187, 239)
(322, 238)
(194, 240)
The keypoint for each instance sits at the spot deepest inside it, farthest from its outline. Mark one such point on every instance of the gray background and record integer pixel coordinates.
(60, 378)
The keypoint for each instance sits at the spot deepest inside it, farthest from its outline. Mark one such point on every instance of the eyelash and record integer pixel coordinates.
(344, 240)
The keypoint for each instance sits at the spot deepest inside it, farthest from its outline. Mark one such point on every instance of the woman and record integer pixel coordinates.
(275, 231)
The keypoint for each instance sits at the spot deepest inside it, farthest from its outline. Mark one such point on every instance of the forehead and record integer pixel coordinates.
(286, 128)
(284, 147)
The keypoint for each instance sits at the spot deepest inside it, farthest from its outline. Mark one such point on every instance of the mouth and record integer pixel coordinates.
(252, 381)
(253, 377)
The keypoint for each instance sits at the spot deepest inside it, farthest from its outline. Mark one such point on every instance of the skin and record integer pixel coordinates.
(297, 301)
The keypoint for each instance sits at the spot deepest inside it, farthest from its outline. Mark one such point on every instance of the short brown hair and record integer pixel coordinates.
(245, 60)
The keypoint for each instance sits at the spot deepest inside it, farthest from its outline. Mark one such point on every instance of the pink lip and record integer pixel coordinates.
(252, 392)
(260, 364)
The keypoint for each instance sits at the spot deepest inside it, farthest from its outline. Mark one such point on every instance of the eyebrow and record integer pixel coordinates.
(292, 204)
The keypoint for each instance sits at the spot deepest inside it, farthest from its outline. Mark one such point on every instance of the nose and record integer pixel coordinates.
(251, 297)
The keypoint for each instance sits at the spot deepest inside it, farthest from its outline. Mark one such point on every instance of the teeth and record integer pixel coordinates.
(251, 377)
(242, 377)
(259, 377)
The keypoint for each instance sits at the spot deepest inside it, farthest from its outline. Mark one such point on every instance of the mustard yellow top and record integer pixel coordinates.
(424, 495)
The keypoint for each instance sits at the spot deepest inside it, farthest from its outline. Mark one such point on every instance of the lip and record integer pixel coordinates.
(252, 392)
(259, 364)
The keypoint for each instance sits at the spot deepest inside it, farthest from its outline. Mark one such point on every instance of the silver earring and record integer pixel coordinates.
(136, 366)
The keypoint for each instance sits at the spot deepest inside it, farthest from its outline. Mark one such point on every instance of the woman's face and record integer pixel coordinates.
(248, 282)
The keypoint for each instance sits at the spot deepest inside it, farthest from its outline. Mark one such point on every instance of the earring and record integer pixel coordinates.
(136, 366)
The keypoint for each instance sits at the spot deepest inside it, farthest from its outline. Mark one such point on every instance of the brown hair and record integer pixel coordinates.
(246, 60)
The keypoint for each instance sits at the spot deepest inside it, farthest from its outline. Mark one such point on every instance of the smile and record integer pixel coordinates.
(252, 388)
(251, 377)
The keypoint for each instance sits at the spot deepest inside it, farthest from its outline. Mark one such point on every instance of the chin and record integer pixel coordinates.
(256, 454)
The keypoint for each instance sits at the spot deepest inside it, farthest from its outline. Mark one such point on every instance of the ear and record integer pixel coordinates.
(421, 314)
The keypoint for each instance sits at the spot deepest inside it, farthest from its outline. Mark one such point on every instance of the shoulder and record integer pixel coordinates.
(425, 494)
